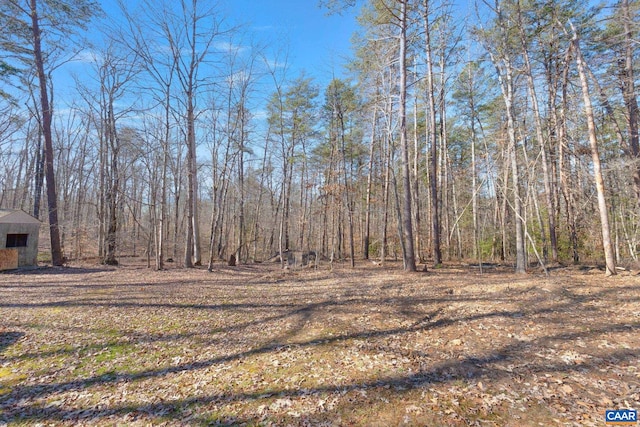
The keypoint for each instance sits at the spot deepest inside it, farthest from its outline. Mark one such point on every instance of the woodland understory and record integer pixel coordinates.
(509, 135)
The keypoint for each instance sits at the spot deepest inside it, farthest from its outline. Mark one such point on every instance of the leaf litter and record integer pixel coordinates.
(255, 345)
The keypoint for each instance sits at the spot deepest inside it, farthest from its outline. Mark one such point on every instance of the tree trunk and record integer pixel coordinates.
(283, 219)
(257, 220)
(629, 96)
(192, 241)
(416, 182)
(241, 220)
(367, 218)
(595, 155)
(160, 239)
(517, 202)
(474, 178)
(432, 141)
(566, 181)
(177, 188)
(52, 196)
(506, 85)
(407, 223)
(348, 202)
(543, 151)
(40, 166)
(385, 196)
(113, 182)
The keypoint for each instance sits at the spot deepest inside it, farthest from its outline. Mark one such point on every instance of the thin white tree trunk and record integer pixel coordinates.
(610, 268)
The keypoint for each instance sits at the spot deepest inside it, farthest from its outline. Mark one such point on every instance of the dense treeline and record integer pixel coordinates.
(507, 134)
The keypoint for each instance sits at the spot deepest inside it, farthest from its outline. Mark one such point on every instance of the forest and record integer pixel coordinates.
(183, 165)
(501, 131)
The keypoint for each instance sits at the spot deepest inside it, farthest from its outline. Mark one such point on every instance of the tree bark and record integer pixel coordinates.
(629, 96)
(162, 220)
(505, 78)
(432, 141)
(551, 222)
(407, 223)
(52, 196)
(367, 220)
(515, 180)
(348, 202)
(610, 269)
(113, 182)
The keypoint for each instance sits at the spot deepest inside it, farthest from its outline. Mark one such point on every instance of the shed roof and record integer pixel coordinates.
(8, 216)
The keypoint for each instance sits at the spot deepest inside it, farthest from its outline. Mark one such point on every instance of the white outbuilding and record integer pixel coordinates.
(19, 233)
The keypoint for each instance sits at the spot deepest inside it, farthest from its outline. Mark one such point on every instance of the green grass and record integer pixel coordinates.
(9, 378)
(44, 257)
(113, 352)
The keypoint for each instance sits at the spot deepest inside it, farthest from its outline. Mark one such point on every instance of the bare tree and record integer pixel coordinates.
(47, 114)
(597, 168)
(160, 66)
(540, 138)
(628, 88)
(190, 46)
(431, 138)
(498, 45)
(339, 104)
(407, 222)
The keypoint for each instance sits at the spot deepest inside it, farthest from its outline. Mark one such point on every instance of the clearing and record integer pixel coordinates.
(255, 345)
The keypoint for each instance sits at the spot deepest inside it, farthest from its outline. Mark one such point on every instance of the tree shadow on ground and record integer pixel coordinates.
(8, 338)
(490, 364)
(57, 271)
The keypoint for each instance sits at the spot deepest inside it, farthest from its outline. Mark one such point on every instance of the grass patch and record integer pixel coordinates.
(9, 378)
(112, 352)
(44, 257)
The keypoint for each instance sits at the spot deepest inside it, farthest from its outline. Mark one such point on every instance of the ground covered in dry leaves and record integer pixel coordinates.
(255, 345)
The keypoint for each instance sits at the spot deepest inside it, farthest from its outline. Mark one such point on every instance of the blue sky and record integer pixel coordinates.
(317, 42)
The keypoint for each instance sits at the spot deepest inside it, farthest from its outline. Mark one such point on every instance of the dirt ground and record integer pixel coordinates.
(255, 345)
